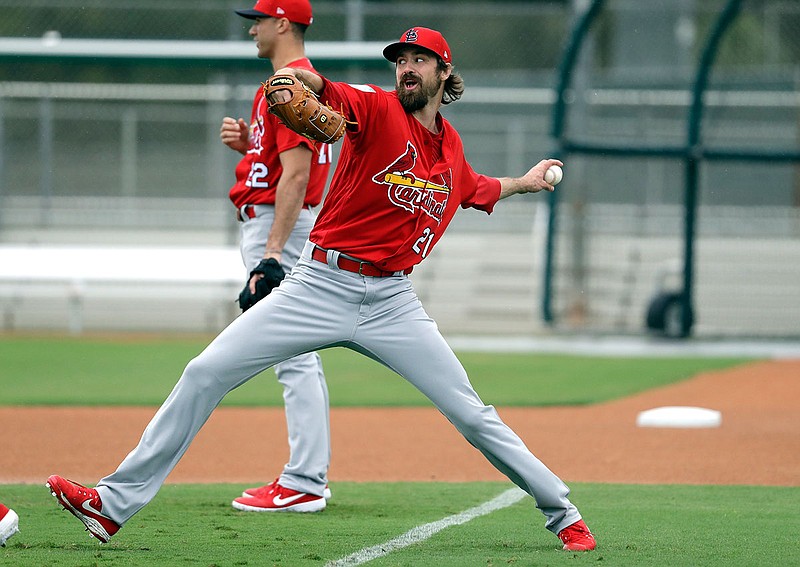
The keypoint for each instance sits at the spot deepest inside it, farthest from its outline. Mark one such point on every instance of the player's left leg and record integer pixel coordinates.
(305, 396)
(305, 391)
(401, 335)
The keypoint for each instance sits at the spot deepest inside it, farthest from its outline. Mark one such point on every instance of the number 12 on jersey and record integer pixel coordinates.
(423, 243)
(259, 172)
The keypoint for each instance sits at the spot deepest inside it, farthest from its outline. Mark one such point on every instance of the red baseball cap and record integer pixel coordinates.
(430, 39)
(297, 11)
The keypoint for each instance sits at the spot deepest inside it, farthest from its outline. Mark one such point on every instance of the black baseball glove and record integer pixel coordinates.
(273, 275)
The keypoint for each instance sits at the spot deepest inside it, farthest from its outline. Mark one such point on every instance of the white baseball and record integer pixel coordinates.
(553, 175)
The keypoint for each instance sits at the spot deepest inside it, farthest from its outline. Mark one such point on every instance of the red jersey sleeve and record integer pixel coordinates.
(356, 102)
(486, 190)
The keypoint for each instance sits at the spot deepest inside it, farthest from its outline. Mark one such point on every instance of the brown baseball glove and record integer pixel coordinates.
(302, 111)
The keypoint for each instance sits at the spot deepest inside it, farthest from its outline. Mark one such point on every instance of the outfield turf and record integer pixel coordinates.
(637, 526)
(65, 371)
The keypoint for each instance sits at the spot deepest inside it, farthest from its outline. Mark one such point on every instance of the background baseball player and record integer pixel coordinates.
(281, 176)
(401, 177)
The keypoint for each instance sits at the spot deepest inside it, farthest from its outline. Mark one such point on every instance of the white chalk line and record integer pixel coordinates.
(421, 533)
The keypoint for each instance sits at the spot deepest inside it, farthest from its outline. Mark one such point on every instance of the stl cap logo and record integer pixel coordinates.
(411, 35)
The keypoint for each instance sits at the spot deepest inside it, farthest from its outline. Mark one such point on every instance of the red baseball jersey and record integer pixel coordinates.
(396, 185)
(258, 172)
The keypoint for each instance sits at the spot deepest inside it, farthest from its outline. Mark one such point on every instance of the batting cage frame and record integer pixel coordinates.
(672, 313)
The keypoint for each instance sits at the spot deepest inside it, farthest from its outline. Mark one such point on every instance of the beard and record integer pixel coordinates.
(419, 97)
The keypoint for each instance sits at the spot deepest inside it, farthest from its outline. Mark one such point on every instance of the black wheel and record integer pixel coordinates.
(665, 315)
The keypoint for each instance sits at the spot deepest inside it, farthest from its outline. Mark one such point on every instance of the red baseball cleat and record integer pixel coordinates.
(577, 537)
(9, 523)
(83, 503)
(260, 491)
(276, 498)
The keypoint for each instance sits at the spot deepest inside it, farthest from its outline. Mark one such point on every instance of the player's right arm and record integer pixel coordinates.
(290, 194)
(532, 182)
(234, 134)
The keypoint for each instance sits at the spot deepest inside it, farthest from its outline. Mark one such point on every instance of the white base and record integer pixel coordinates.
(679, 416)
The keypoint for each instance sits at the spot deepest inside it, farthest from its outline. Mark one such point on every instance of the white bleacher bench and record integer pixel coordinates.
(73, 273)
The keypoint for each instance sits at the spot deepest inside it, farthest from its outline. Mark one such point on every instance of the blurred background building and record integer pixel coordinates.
(119, 147)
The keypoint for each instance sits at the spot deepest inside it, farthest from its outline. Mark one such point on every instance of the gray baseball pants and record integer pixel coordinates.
(305, 392)
(320, 306)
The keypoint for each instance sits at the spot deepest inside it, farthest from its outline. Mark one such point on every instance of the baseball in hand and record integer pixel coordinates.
(553, 175)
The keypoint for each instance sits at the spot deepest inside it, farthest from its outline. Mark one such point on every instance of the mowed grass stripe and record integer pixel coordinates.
(423, 532)
(95, 372)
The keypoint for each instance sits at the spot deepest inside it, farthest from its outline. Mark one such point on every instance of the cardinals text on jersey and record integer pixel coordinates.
(410, 193)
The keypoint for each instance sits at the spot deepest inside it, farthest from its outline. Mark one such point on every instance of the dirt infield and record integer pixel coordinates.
(757, 443)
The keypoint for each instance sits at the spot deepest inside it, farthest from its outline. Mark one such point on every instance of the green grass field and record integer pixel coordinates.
(142, 372)
(636, 525)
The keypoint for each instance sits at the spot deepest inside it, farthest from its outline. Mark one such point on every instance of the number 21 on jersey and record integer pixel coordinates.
(423, 243)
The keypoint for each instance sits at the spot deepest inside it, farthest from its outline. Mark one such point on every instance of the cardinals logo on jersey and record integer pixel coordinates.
(256, 133)
(410, 193)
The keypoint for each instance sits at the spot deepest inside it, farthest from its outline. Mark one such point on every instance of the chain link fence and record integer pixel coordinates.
(520, 41)
(121, 151)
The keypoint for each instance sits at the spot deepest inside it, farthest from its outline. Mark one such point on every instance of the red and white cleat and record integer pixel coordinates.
(276, 498)
(260, 491)
(9, 523)
(83, 503)
(577, 537)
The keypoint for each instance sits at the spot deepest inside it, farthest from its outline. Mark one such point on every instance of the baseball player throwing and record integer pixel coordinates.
(281, 176)
(401, 177)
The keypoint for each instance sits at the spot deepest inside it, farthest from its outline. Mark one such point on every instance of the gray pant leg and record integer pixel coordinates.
(281, 326)
(305, 392)
(166, 438)
(253, 241)
(404, 338)
(305, 395)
